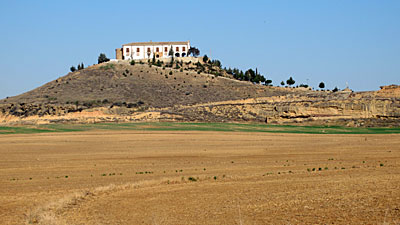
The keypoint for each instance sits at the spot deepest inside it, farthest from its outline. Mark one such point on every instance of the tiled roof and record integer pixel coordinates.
(157, 43)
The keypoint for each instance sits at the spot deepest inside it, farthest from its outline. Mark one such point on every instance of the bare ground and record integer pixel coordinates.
(136, 177)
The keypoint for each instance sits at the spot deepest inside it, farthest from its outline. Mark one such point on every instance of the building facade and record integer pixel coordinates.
(146, 50)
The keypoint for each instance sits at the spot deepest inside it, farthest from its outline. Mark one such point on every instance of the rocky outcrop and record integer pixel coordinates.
(342, 108)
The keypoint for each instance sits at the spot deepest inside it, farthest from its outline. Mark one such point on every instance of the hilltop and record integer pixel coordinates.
(191, 91)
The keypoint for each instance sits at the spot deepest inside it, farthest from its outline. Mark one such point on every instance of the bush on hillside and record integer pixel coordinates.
(205, 58)
(194, 51)
(290, 81)
(321, 85)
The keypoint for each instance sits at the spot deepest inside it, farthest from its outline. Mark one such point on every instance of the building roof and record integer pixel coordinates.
(157, 43)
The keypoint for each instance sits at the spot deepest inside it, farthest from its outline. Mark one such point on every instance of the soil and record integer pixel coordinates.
(164, 177)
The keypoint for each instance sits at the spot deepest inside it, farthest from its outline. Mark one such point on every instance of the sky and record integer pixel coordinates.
(338, 42)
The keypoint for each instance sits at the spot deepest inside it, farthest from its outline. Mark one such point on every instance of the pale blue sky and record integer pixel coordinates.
(334, 41)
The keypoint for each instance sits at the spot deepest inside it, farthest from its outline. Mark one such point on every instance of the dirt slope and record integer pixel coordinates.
(118, 82)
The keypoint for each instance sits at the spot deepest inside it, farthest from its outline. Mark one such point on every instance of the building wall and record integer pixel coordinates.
(118, 53)
(130, 52)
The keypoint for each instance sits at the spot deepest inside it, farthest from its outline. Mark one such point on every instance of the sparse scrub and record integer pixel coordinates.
(107, 66)
(192, 179)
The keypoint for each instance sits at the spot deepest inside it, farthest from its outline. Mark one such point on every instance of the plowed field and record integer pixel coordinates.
(199, 177)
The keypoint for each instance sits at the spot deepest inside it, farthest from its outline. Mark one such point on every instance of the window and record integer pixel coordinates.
(148, 49)
(137, 49)
(165, 49)
(177, 49)
(127, 50)
(157, 49)
(183, 49)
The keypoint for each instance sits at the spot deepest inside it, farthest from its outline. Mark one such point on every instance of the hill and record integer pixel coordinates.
(189, 91)
(118, 82)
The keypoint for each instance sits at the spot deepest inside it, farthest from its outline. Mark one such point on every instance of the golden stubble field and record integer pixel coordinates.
(178, 177)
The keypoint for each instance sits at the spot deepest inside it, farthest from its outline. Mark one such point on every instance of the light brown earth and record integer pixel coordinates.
(259, 178)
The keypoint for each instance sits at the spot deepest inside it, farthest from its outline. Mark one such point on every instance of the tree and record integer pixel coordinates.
(73, 69)
(81, 66)
(171, 52)
(250, 75)
(194, 51)
(290, 81)
(216, 63)
(205, 58)
(282, 83)
(335, 89)
(102, 58)
(321, 85)
(268, 82)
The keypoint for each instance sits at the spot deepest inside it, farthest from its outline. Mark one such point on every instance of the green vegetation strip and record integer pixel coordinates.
(170, 126)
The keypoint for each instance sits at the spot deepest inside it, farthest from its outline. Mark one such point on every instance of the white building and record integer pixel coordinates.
(146, 50)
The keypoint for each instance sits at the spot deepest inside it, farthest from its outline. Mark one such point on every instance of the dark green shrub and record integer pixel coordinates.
(192, 179)
(102, 58)
(205, 58)
(290, 81)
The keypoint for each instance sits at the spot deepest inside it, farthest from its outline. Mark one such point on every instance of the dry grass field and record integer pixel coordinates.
(199, 177)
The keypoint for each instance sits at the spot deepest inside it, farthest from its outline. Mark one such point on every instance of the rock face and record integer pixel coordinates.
(352, 109)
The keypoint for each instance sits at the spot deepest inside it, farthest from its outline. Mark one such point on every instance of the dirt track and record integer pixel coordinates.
(133, 177)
